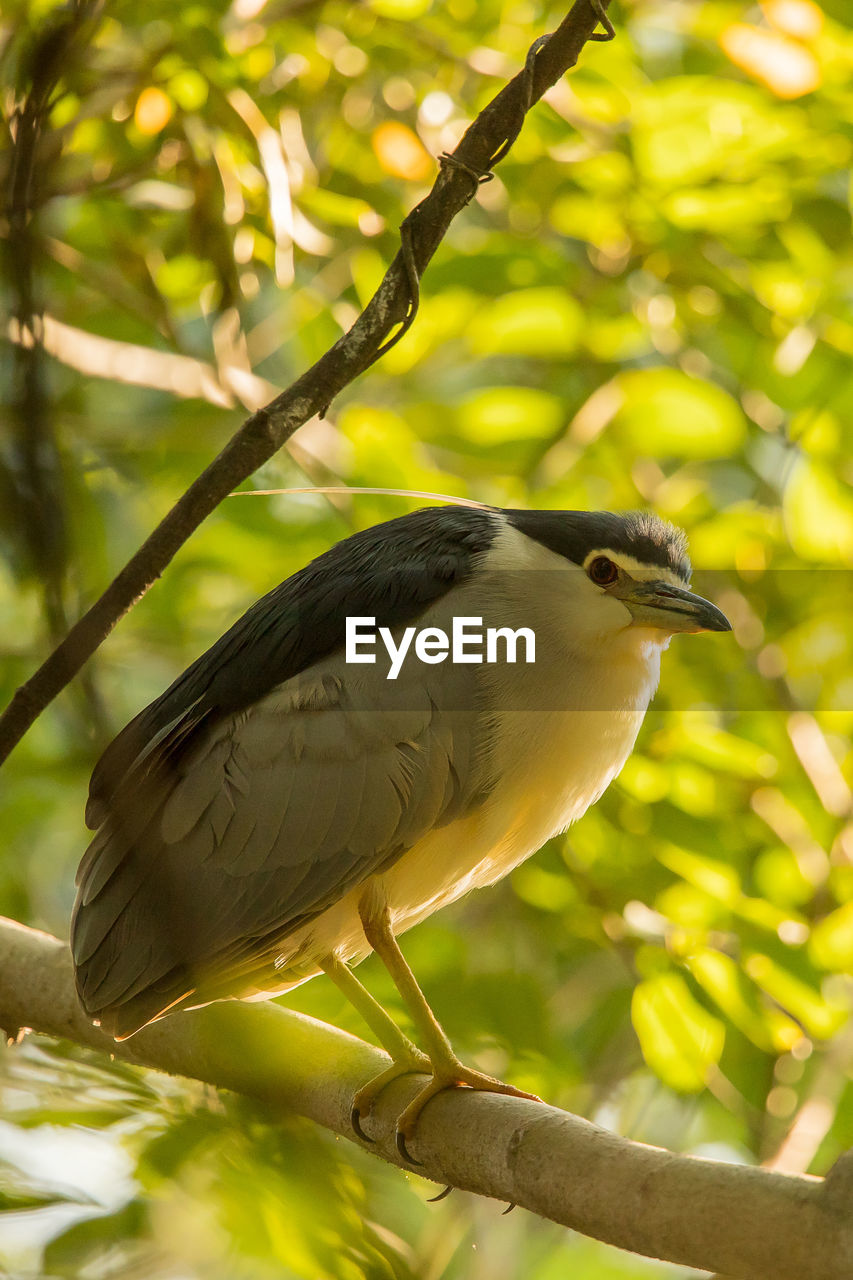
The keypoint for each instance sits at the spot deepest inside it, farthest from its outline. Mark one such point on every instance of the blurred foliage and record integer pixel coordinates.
(651, 304)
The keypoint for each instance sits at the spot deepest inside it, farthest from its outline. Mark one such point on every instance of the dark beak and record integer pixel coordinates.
(657, 604)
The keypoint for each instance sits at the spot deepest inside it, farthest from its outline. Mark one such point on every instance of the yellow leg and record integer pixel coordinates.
(406, 1057)
(383, 1026)
(446, 1069)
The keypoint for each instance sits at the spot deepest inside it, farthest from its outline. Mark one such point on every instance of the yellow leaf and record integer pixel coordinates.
(153, 110)
(401, 10)
(784, 66)
(400, 151)
(799, 18)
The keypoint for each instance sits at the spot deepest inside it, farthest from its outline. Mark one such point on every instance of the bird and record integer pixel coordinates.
(290, 803)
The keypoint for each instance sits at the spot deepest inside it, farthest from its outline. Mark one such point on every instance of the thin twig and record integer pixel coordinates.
(265, 432)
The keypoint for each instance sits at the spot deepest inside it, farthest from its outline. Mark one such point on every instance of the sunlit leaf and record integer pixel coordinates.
(331, 206)
(727, 752)
(543, 889)
(821, 1017)
(401, 152)
(680, 1040)
(810, 489)
(799, 18)
(831, 945)
(688, 906)
(724, 208)
(189, 89)
(666, 412)
(402, 10)
(721, 977)
(644, 778)
(494, 416)
(780, 877)
(529, 322)
(712, 877)
(693, 129)
(784, 66)
(153, 110)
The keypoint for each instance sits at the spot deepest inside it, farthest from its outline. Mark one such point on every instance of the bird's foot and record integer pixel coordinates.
(446, 1072)
(449, 1074)
(414, 1062)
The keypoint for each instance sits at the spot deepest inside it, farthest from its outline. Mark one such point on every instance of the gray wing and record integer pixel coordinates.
(394, 571)
(271, 817)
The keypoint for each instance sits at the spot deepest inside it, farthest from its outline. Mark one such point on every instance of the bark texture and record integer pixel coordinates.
(743, 1222)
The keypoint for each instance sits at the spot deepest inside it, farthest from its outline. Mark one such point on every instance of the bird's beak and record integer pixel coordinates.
(658, 604)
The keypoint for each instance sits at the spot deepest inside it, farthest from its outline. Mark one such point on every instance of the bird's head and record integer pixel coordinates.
(635, 569)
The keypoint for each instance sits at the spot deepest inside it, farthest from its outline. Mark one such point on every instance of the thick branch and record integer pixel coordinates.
(753, 1224)
(268, 429)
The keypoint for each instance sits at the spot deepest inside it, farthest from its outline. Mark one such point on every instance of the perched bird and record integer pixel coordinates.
(287, 805)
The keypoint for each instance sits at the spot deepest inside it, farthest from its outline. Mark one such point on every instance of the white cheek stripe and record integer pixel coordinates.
(637, 568)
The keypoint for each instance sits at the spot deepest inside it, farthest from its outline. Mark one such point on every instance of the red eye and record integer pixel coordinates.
(602, 571)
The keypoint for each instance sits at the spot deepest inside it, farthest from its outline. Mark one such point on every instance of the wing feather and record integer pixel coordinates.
(395, 571)
(272, 817)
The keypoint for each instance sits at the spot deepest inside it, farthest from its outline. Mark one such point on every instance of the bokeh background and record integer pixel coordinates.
(650, 305)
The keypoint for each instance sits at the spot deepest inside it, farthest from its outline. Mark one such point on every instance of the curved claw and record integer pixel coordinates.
(355, 1121)
(508, 1209)
(403, 1151)
(442, 1195)
(363, 1101)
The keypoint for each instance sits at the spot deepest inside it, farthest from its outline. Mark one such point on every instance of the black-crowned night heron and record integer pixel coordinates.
(313, 785)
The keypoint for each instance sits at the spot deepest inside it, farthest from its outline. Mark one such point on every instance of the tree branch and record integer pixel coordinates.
(749, 1223)
(485, 142)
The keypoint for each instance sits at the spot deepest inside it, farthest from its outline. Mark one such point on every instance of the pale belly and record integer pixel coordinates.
(569, 759)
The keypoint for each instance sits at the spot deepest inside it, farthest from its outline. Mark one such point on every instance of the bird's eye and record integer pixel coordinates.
(602, 571)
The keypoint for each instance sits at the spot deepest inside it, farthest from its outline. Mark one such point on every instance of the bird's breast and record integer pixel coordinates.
(562, 761)
(555, 743)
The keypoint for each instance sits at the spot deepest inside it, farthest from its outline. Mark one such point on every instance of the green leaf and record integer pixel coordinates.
(680, 1040)
(334, 207)
(665, 412)
(813, 489)
(498, 415)
(401, 10)
(728, 208)
(714, 878)
(821, 1015)
(721, 977)
(831, 943)
(529, 322)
